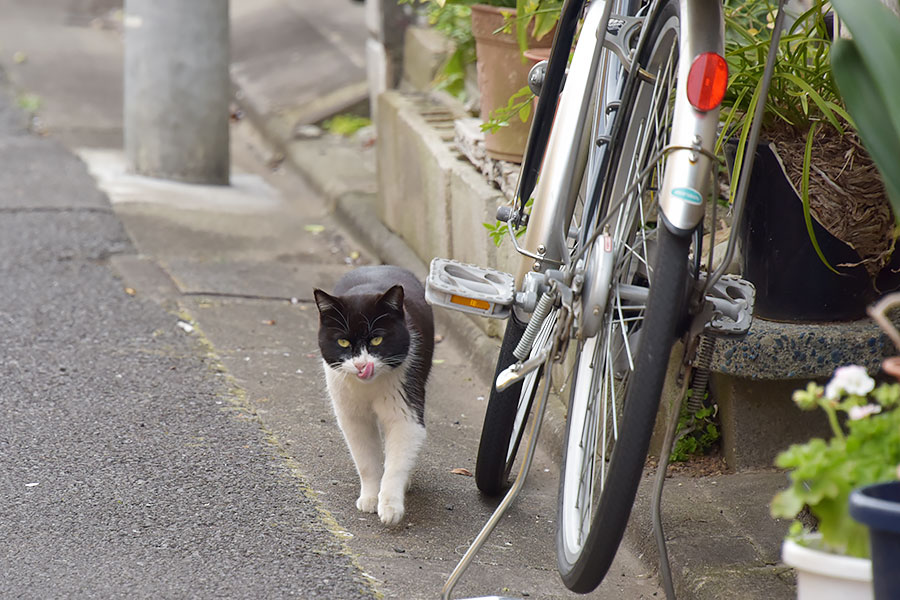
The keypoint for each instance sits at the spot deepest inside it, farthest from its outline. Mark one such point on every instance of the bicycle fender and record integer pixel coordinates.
(688, 178)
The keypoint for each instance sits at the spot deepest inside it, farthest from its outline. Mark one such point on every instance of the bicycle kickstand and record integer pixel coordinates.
(511, 495)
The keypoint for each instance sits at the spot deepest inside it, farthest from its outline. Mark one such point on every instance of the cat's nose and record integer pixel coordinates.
(360, 363)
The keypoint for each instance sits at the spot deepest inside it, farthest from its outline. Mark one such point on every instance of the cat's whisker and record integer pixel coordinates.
(378, 318)
(342, 322)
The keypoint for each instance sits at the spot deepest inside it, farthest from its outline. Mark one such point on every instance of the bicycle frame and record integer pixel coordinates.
(686, 181)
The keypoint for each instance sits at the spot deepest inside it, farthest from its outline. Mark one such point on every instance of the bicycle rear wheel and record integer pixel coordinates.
(619, 373)
(507, 411)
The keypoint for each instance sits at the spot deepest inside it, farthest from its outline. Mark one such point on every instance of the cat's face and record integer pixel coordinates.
(363, 335)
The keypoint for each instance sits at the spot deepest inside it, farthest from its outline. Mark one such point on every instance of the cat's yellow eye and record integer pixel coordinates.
(376, 340)
(344, 343)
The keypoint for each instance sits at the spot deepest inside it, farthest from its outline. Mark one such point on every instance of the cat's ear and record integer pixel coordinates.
(326, 302)
(393, 298)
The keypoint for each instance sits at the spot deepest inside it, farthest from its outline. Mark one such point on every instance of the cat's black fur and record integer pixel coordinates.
(385, 301)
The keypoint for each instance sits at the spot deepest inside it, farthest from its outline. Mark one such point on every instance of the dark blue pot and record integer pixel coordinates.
(792, 283)
(878, 507)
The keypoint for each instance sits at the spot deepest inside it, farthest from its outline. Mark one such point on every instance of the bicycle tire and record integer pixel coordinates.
(506, 414)
(583, 571)
(592, 517)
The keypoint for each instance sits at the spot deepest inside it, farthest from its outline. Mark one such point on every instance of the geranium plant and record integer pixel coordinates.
(864, 449)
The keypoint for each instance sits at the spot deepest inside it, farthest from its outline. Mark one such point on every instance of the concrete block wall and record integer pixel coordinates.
(428, 194)
(424, 52)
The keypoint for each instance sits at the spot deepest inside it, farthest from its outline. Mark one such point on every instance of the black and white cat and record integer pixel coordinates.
(376, 335)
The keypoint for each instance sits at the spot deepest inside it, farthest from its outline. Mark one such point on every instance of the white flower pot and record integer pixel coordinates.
(822, 575)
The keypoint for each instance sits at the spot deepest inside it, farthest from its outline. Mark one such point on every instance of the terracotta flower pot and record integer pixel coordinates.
(501, 73)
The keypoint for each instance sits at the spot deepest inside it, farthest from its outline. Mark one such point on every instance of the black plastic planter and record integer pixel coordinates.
(878, 507)
(792, 283)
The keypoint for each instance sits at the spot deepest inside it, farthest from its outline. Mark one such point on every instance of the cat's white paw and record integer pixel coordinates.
(390, 510)
(367, 503)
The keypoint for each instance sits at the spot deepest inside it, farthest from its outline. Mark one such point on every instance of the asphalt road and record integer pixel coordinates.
(129, 463)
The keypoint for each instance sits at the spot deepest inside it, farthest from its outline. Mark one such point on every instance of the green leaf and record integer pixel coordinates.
(346, 124)
(869, 108)
(877, 31)
(842, 112)
(804, 196)
(816, 97)
(737, 27)
(544, 22)
(525, 112)
(452, 76)
(522, 25)
(786, 504)
(742, 140)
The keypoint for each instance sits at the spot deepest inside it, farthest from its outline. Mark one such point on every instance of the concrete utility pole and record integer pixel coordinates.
(386, 21)
(177, 89)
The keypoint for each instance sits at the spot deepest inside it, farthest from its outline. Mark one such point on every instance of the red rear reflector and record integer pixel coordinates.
(707, 81)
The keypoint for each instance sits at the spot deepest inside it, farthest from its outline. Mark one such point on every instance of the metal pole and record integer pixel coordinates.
(177, 89)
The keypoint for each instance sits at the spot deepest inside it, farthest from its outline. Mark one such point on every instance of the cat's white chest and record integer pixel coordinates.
(382, 397)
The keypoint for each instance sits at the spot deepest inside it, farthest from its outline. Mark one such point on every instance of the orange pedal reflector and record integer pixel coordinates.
(481, 304)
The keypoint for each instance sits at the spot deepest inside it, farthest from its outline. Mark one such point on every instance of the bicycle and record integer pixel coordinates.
(619, 165)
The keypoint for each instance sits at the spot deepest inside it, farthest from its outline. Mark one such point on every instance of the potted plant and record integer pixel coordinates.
(865, 67)
(817, 229)
(502, 34)
(499, 32)
(864, 449)
(854, 476)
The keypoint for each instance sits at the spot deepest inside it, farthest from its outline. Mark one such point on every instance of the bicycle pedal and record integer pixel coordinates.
(732, 298)
(470, 288)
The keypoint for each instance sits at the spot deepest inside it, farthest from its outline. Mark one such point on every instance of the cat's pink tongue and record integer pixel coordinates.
(367, 371)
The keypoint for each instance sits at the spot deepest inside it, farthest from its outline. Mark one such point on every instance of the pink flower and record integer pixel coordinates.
(851, 379)
(861, 412)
